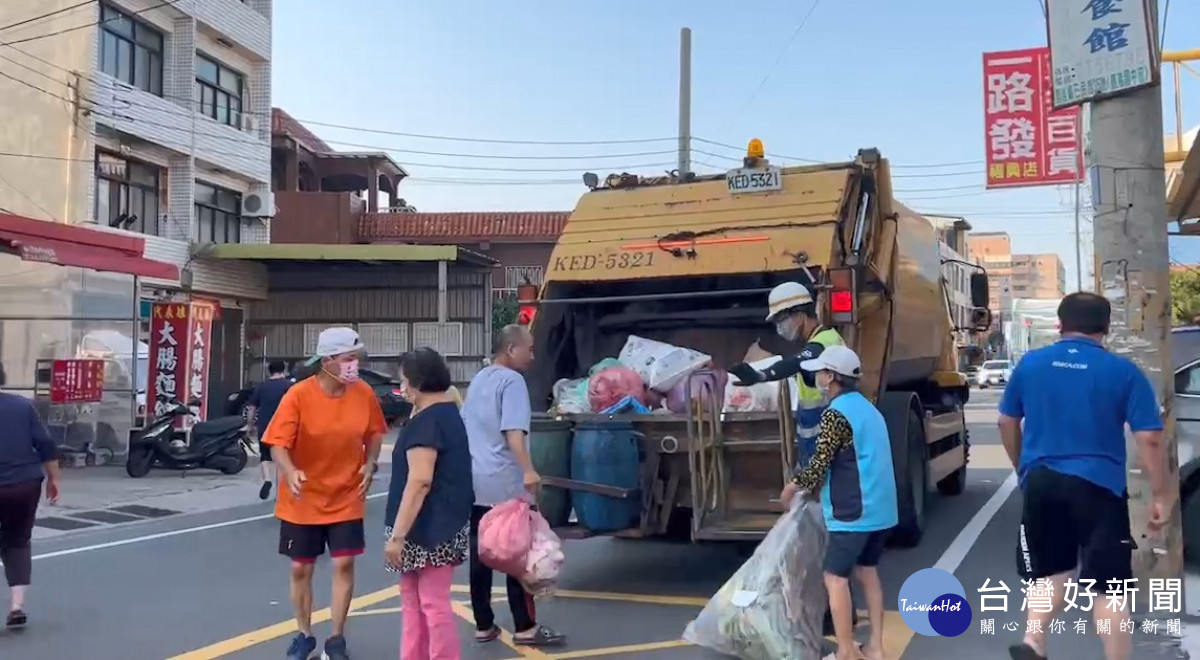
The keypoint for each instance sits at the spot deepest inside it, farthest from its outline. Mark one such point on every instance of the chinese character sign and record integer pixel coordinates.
(169, 326)
(1027, 142)
(76, 381)
(1099, 48)
(199, 351)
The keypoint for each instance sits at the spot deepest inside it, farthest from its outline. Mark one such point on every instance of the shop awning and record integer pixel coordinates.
(71, 245)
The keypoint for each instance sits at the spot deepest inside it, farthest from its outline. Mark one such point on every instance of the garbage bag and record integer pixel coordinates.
(760, 397)
(660, 365)
(545, 560)
(608, 386)
(505, 537)
(707, 385)
(773, 606)
(602, 365)
(571, 396)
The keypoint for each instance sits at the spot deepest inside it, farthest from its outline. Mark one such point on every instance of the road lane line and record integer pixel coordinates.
(618, 650)
(165, 535)
(464, 612)
(242, 642)
(957, 551)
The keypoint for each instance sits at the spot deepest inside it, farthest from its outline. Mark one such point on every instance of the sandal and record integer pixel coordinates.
(485, 636)
(16, 619)
(543, 636)
(858, 652)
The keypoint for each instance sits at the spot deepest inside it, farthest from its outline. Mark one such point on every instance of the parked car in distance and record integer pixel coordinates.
(971, 371)
(387, 390)
(993, 372)
(1185, 363)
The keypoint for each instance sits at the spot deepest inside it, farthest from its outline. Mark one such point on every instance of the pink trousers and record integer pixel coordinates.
(430, 627)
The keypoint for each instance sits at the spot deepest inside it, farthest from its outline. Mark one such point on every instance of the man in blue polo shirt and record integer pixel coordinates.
(1076, 399)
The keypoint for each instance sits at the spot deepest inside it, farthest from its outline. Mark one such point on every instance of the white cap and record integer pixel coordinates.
(838, 359)
(337, 341)
(785, 297)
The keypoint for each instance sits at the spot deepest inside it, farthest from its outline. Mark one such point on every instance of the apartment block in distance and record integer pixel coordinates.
(149, 120)
(1010, 276)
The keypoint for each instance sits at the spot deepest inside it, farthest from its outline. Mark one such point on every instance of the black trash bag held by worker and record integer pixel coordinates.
(773, 606)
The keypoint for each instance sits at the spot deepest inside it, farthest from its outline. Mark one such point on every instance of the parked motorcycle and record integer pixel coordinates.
(218, 444)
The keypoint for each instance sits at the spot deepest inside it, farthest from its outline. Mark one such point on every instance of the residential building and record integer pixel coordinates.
(520, 242)
(1012, 276)
(152, 122)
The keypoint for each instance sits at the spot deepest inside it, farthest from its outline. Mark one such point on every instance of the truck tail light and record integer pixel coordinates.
(841, 302)
(526, 313)
(842, 296)
(527, 295)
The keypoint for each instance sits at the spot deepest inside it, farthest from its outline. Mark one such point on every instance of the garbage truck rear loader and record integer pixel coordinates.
(690, 263)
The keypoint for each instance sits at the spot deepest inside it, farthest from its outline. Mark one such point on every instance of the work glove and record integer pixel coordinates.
(746, 375)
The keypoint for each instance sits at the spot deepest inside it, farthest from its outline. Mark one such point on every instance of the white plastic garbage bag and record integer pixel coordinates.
(660, 365)
(773, 606)
(760, 397)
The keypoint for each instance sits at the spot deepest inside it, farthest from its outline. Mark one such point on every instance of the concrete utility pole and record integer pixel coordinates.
(685, 102)
(1132, 272)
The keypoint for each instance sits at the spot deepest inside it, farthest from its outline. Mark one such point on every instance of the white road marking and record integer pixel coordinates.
(165, 535)
(962, 544)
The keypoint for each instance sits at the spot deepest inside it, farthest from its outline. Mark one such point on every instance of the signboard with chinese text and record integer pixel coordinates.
(1099, 49)
(169, 324)
(1028, 142)
(199, 349)
(76, 381)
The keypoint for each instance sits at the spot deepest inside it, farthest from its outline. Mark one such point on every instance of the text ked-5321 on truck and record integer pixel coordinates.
(689, 264)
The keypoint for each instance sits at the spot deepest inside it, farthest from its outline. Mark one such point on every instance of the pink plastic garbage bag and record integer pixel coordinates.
(505, 537)
(545, 559)
(610, 385)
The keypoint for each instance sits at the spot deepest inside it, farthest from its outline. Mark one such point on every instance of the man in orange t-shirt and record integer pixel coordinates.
(325, 438)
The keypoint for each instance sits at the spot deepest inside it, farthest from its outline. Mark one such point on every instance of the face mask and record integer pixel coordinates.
(787, 330)
(347, 371)
(822, 386)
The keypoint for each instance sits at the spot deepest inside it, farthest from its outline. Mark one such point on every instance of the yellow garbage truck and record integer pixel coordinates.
(689, 261)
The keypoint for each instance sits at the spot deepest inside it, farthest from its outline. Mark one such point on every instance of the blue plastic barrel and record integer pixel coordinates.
(606, 452)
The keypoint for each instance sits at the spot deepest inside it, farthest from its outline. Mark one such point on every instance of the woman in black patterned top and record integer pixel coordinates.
(429, 508)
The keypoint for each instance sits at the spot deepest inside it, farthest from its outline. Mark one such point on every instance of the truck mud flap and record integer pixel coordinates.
(910, 462)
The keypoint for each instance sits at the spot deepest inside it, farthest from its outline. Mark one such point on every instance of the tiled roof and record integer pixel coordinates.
(284, 124)
(537, 226)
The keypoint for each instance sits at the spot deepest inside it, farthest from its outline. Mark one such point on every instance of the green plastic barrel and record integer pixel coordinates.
(550, 449)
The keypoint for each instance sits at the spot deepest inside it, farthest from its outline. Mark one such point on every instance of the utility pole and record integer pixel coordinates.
(685, 102)
(1078, 236)
(1130, 224)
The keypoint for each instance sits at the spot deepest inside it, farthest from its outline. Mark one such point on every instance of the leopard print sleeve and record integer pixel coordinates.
(833, 435)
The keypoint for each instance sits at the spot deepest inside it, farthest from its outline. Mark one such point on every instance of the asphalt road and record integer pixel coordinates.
(211, 586)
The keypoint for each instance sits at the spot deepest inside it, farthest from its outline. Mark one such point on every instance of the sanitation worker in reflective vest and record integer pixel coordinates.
(793, 310)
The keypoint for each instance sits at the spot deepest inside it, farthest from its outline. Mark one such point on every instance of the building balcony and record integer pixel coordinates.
(317, 217)
(156, 120)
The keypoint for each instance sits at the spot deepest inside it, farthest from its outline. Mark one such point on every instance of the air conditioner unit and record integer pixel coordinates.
(258, 205)
(250, 123)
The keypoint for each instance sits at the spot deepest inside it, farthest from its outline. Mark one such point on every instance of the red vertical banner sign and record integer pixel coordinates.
(1028, 143)
(199, 351)
(169, 335)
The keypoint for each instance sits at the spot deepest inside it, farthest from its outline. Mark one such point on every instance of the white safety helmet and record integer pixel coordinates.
(787, 296)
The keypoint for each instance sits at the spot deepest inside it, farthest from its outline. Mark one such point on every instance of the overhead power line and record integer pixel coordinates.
(165, 3)
(48, 14)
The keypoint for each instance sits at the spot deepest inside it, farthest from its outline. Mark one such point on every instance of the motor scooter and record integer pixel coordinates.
(219, 444)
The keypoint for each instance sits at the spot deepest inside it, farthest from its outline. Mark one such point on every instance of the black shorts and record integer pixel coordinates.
(1068, 521)
(264, 451)
(849, 549)
(304, 543)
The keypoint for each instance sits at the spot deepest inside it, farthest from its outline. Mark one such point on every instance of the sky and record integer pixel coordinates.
(905, 77)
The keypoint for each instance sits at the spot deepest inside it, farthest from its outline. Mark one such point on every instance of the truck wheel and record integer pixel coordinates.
(909, 459)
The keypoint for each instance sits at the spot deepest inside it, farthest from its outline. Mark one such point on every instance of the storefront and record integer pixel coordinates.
(70, 292)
